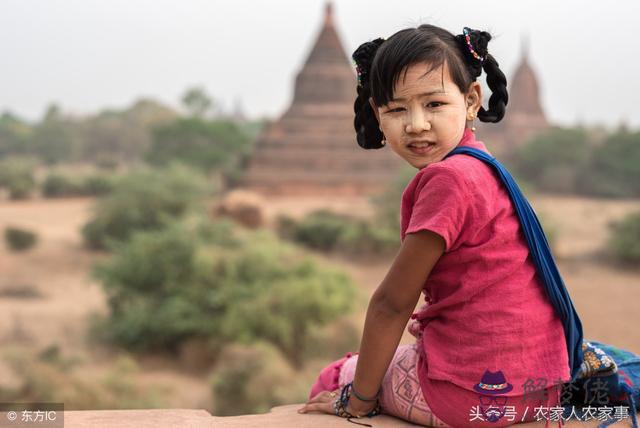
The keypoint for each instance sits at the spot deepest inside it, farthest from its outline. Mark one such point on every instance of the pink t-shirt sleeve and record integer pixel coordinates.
(441, 203)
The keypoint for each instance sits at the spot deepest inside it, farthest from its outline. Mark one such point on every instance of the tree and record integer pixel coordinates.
(53, 140)
(613, 168)
(552, 160)
(197, 102)
(207, 145)
(14, 135)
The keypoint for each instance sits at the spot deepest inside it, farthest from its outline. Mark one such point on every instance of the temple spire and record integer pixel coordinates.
(328, 14)
(524, 47)
(327, 74)
(311, 149)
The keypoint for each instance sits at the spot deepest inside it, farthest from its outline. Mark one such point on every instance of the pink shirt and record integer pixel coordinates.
(487, 308)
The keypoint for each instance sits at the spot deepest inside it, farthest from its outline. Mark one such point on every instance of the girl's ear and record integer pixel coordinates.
(375, 109)
(474, 97)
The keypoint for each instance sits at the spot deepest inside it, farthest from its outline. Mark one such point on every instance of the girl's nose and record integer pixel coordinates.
(417, 123)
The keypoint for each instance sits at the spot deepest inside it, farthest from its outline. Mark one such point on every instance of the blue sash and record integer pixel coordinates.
(541, 254)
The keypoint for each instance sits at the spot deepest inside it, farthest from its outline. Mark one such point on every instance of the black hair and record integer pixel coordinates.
(381, 62)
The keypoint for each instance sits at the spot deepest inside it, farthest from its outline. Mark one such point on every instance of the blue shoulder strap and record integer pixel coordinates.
(541, 254)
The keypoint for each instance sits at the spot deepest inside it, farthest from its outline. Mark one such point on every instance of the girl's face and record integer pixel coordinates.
(426, 120)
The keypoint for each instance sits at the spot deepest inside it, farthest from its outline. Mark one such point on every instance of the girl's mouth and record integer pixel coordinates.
(421, 148)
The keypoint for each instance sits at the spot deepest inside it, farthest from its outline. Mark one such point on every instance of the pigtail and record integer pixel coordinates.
(367, 128)
(496, 79)
(499, 96)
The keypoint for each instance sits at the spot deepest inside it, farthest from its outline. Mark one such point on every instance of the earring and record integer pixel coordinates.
(384, 140)
(473, 117)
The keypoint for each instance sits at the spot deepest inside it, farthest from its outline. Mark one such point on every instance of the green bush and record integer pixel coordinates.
(336, 339)
(106, 162)
(49, 375)
(624, 240)
(19, 239)
(286, 226)
(223, 285)
(57, 185)
(16, 175)
(321, 229)
(283, 296)
(251, 379)
(327, 231)
(144, 200)
(98, 185)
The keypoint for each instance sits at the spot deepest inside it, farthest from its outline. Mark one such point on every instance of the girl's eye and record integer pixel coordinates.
(432, 103)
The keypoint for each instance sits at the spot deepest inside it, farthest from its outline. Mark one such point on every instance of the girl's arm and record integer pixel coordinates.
(389, 310)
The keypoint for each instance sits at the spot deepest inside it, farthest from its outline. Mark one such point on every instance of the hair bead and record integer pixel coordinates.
(466, 31)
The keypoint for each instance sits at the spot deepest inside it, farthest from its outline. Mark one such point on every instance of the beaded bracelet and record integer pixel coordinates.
(340, 406)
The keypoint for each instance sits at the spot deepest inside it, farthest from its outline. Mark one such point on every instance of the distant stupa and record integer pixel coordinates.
(312, 148)
(524, 116)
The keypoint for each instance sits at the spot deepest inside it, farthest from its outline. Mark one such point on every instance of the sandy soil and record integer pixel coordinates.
(58, 270)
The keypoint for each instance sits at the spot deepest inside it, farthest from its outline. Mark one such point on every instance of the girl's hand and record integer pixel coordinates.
(323, 402)
(414, 327)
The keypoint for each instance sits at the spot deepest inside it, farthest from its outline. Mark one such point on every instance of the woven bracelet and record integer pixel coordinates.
(340, 406)
(360, 397)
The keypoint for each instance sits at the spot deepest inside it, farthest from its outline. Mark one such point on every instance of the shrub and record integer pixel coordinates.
(19, 239)
(169, 285)
(251, 379)
(143, 200)
(321, 229)
(16, 175)
(98, 185)
(50, 376)
(285, 226)
(327, 231)
(332, 340)
(57, 185)
(106, 162)
(283, 296)
(624, 240)
(21, 291)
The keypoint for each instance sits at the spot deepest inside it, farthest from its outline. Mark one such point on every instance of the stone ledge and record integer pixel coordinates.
(287, 416)
(280, 416)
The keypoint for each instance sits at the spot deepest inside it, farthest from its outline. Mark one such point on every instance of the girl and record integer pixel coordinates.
(490, 347)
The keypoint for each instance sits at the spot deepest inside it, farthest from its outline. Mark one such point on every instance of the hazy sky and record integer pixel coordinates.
(87, 55)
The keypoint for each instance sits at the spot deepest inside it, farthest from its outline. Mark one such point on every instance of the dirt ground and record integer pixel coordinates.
(47, 294)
